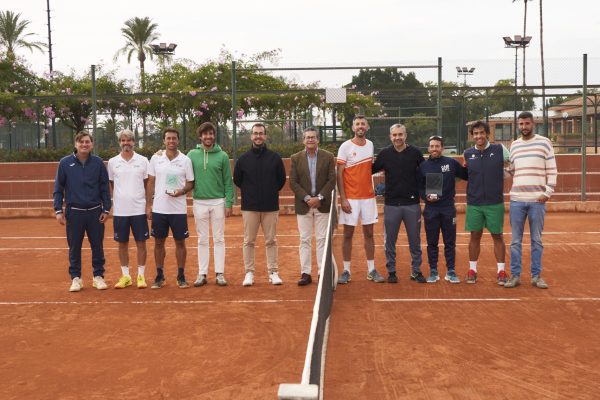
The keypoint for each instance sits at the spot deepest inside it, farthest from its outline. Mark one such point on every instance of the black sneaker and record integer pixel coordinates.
(182, 283)
(392, 278)
(418, 276)
(158, 282)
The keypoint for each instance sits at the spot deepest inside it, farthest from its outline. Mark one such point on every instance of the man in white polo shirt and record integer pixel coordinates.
(128, 175)
(170, 177)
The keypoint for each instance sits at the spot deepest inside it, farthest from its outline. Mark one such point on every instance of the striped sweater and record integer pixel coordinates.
(533, 166)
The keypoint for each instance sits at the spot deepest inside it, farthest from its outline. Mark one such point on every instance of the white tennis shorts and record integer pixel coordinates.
(363, 209)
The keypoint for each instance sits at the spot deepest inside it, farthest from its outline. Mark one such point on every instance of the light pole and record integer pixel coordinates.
(163, 49)
(464, 71)
(516, 43)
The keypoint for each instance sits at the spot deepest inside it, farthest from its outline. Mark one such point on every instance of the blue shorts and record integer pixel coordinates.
(138, 224)
(177, 222)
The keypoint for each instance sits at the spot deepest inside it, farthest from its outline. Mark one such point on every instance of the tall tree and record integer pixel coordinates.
(543, 67)
(138, 34)
(13, 34)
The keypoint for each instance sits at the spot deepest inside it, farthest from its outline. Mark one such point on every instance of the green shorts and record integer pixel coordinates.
(490, 217)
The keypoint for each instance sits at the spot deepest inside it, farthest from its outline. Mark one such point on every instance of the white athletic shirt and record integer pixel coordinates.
(129, 195)
(357, 159)
(180, 168)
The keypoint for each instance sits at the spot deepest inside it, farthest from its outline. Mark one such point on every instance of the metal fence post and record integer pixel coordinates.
(584, 129)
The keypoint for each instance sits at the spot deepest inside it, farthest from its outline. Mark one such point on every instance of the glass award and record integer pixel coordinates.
(433, 184)
(172, 183)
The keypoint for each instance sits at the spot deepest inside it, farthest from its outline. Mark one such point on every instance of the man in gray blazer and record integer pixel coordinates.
(312, 178)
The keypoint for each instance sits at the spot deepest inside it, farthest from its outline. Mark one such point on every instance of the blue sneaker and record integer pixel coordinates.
(433, 276)
(375, 277)
(451, 277)
(344, 278)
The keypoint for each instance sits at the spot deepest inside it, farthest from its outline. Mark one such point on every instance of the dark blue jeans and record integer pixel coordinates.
(444, 219)
(78, 224)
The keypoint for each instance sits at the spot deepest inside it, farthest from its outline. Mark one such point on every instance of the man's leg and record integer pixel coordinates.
(448, 225)
(391, 222)
(432, 234)
(159, 254)
(180, 256)
(142, 253)
(412, 222)
(475, 245)
(251, 223)
(217, 222)
(95, 234)
(369, 242)
(124, 253)
(321, 222)
(305, 228)
(201, 220)
(518, 215)
(499, 247)
(269, 227)
(347, 243)
(537, 213)
(75, 229)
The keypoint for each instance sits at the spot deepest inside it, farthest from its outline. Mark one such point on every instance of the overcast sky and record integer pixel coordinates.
(310, 32)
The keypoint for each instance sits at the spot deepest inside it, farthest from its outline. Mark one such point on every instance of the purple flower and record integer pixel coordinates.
(193, 93)
(240, 113)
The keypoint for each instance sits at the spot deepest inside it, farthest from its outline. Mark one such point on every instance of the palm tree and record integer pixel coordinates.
(13, 36)
(138, 33)
(543, 68)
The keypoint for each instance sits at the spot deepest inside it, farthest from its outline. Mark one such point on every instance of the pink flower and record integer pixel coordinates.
(240, 113)
(204, 105)
(213, 89)
(2, 122)
(69, 91)
(193, 93)
(198, 113)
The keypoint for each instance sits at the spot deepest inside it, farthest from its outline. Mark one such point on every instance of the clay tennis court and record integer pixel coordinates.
(412, 341)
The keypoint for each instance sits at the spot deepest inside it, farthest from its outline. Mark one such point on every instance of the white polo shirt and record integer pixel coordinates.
(129, 194)
(179, 170)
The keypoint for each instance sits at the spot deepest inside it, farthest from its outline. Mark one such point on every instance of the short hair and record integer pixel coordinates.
(311, 129)
(259, 125)
(480, 124)
(206, 127)
(170, 129)
(80, 135)
(358, 116)
(436, 138)
(397, 126)
(126, 133)
(526, 115)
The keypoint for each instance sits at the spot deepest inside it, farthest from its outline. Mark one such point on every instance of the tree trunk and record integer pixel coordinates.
(543, 70)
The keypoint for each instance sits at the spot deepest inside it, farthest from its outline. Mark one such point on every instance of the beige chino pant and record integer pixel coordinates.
(252, 221)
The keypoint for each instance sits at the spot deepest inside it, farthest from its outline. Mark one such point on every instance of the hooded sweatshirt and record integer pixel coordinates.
(212, 174)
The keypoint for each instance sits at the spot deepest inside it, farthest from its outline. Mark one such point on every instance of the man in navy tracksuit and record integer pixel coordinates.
(440, 212)
(82, 181)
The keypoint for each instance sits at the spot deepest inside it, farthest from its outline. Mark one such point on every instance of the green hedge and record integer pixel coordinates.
(38, 155)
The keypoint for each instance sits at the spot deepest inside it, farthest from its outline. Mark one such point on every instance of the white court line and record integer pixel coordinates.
(578, 244)
(490, 299)
(266, 301)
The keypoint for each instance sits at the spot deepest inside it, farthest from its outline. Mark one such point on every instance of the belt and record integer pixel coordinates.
(86, 209)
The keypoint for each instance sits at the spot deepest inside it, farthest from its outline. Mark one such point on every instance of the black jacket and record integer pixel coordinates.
(260, 175)
(486, 175)
(401, 174)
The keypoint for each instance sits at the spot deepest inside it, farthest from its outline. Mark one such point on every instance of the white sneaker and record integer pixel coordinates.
(76, 285)
(99, 283)
(275, 279)
(248, 279)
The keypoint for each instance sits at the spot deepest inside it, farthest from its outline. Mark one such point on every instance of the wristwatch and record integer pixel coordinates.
(320, 197)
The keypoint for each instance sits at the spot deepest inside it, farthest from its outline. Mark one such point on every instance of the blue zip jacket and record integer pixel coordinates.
(450, 170)
(486, 175)
(81, 185)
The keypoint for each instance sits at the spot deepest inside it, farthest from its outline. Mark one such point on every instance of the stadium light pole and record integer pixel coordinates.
(464, 71)
(519, 42)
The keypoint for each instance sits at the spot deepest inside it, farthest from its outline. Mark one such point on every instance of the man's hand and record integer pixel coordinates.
(228, 212)
(103, 217)
(314, 202)
(177, 193)
(542, 199)
(346, 207)
(60, 217)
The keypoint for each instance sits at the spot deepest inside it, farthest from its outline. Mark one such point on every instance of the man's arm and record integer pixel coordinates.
(298, 190)
(280, 173)
(331, 178)
(149, 195)
(238, 176)
(551, 174)
(346, 207)
(228, 185)
(104, 192)
(58, 194)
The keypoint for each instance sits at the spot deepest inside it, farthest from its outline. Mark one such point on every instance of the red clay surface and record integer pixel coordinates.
(235, 342)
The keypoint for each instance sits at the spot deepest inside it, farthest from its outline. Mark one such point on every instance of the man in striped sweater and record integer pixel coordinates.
(533, 167)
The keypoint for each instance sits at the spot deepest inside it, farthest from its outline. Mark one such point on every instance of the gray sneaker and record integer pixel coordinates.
(433, 276)
(539, 282)
(221, 280)
(451, 277)
(375, 277)
(512, 282)
(200, 281)
(344, 278)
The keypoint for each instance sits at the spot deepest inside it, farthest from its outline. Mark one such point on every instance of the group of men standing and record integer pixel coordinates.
(156, 191)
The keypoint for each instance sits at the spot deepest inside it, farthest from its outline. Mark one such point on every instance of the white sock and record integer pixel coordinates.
(500, 267)
(347, 266)
(473, 265)
(141, 269)
(370, 265)
(125, 270)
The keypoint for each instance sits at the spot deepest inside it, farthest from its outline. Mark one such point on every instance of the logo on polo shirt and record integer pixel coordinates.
(71, 165)
(446, 168)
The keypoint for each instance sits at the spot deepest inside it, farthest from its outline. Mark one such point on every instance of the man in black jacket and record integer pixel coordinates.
(401, 161)
(260, 175)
